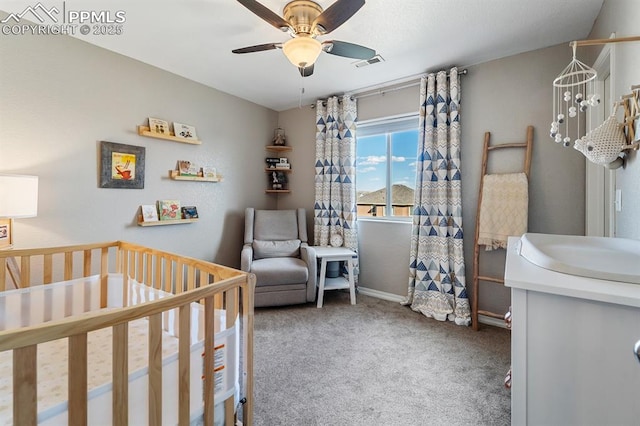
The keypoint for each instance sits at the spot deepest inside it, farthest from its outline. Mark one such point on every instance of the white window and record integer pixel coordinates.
(386, 151)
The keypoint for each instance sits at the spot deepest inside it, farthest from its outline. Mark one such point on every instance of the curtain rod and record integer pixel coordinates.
(382, 90)
(597, 41)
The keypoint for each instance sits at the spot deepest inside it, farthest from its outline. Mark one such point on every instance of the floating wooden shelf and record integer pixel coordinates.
(279, 148)
(173, 174)
(277, 191)
(144, 131)
(267, 169)
(167, 222)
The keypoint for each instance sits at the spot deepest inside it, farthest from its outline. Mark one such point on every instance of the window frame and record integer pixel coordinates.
(387, 126)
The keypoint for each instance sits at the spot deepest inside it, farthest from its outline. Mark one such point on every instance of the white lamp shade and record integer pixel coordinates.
(18, 196)
(302, 51)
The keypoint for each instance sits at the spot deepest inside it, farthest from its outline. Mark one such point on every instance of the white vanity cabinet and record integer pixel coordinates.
(572, 347)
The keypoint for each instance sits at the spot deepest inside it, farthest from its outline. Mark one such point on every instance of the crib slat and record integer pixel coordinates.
(191, 277)
(132, 263)
(104, 275)
(68, 265)
(231, 298)
(247, 327)
(120, 399)
(184, 364)
(25, 386)
(126, 273)
(3, 274)
(140, 267)
(148, 279)
(47, 274)
(157, 282)
(168, 274)
(25, 271)
(179, 277)
(86, 266)
(209, 345)
(78, 379)
(155, 369)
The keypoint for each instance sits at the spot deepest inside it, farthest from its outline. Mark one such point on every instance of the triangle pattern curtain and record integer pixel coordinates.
(436, 268)
(335, 191)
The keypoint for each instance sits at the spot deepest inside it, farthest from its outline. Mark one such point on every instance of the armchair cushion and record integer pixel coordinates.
(280, 270)
(267, 249)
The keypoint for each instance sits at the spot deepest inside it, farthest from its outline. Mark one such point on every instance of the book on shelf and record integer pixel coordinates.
(272, 160)
(149, 213)
(169, 209)
(187, 168)
(189, 212)
(283, 166)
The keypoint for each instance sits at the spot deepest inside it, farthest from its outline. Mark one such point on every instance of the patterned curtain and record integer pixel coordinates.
(436, 270)
(335, 199)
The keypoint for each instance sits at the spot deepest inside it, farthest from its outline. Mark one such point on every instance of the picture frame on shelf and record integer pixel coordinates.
(169, 210)
(149, 213)
(121, 166)
(184, 131)
(157, 125)
(6, 233)
(189, 212)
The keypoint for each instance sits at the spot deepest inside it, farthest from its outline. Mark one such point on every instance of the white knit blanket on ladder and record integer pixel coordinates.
(504, 209)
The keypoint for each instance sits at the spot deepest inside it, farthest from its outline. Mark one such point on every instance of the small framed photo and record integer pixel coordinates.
(149, 213)
(6, 234)
(122, 166)
(189, 212)
(184, 131)
(159, 126)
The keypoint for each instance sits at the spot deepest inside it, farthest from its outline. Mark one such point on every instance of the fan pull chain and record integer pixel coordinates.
(300, 97)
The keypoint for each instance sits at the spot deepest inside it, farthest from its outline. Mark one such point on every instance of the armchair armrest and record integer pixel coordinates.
(308, 254)
(246, 257)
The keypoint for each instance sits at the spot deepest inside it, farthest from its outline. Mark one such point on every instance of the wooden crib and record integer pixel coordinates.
(149, 286)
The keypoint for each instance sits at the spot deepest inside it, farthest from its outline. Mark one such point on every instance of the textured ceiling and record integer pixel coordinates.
(194, 39)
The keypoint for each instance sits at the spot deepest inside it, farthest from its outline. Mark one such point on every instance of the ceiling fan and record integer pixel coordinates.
(305, 20)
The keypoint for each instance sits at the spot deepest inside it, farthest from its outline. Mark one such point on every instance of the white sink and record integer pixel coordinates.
(613, 259)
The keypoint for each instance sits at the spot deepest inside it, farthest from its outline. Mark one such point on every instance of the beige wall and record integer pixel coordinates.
(503, 97)
(61, 96)
(622, 17)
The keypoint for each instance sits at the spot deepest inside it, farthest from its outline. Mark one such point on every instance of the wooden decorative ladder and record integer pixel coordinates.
(528, 145)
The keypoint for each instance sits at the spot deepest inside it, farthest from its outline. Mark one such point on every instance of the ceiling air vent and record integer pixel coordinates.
(371, 61)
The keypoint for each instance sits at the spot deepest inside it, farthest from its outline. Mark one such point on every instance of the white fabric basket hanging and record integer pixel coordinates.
(603, 144)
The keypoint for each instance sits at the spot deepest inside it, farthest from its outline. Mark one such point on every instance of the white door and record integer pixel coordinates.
(600, 181)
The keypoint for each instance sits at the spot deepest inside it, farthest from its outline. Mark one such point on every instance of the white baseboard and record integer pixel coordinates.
(380, 294)
(482, 319)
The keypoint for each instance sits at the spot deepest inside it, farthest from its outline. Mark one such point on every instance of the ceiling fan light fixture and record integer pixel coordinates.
(302, 51)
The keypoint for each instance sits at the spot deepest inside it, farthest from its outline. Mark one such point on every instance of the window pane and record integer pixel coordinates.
(371, 175)
(404, 146)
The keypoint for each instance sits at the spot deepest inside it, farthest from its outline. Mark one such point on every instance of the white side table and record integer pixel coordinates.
(335, 254)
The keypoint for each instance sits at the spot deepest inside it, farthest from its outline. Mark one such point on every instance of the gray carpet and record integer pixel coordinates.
(376, 363)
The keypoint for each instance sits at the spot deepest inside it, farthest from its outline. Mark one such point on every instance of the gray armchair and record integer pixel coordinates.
(276, 250)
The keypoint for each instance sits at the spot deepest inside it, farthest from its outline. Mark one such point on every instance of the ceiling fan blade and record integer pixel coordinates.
(258, 48)
(348, 50)
(306, 71)
(336, 15)
(266, 14)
